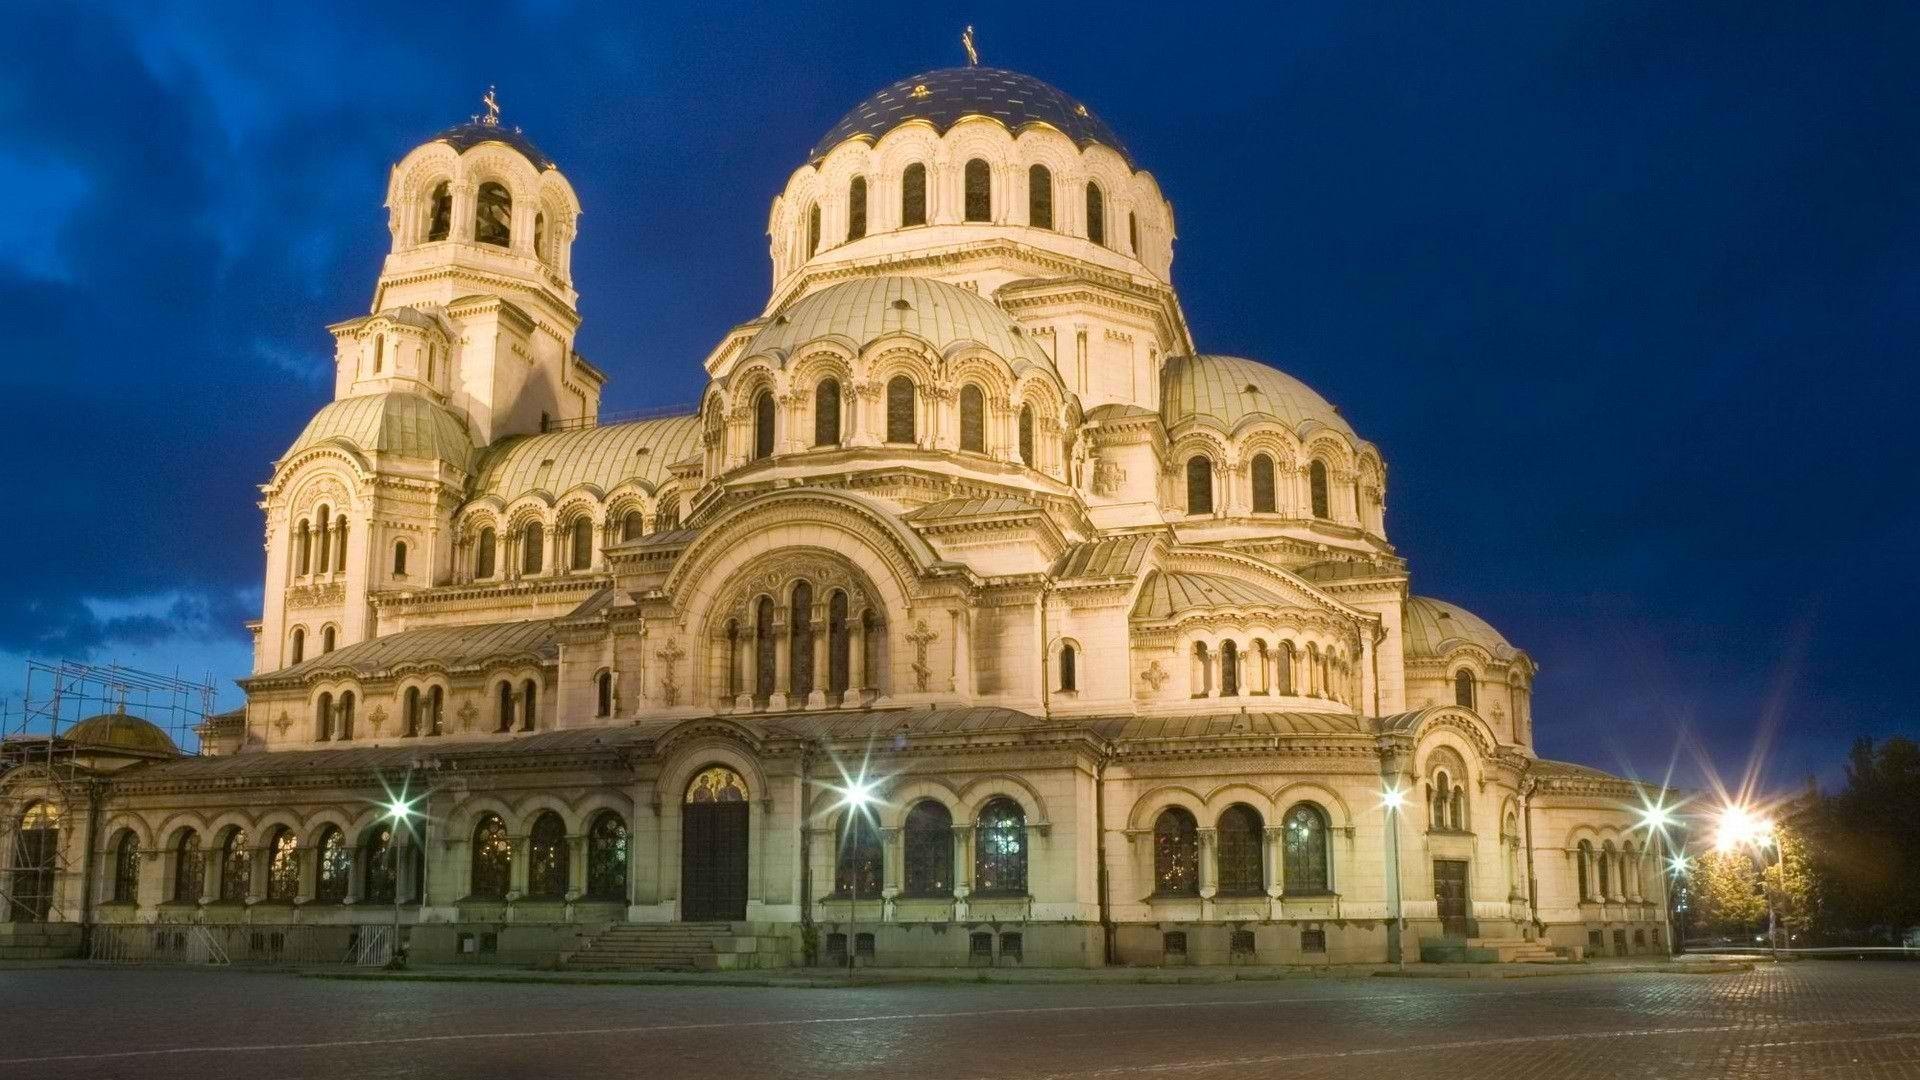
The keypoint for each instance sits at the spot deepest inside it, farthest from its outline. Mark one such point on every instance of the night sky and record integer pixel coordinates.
(1626, 293)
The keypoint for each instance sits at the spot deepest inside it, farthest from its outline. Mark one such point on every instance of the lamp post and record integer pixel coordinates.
(399, 812)
(1656, 818)
(1391, 800)
(855, 797)
(1741, 828)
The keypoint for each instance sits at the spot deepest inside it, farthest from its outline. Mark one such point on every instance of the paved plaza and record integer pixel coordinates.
(1812, 1019)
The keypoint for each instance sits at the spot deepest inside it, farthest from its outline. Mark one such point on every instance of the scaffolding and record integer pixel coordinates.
(43, 771)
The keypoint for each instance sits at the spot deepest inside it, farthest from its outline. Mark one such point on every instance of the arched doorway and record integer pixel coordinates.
(713, 847)
(35, 852)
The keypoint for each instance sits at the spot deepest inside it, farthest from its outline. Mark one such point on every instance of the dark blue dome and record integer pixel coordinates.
(945, 97)
(464, 137)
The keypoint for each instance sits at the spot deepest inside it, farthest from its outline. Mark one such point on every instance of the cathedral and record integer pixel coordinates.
(977, 615)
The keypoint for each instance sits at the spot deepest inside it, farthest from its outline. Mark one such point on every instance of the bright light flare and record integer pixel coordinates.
(1678, 866)
(857, 793)
(1740, 826)
(1393, 798)
(1656, 817)
(399, 809)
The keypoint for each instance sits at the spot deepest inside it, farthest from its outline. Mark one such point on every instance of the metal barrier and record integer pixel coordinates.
(220, 944)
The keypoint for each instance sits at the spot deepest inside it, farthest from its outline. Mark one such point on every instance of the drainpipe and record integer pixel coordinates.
(1046, 668)
(806, 839)
(1100, 852)
(1533, 885)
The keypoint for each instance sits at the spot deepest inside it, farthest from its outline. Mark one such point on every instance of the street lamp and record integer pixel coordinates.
(1656, 818)
(855, 797)
(1742, 828)
(399, 812)
(1391, 799)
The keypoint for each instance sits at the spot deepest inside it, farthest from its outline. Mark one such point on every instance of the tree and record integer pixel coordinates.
(1865, 844)
(1790, 881)
(1724, 893)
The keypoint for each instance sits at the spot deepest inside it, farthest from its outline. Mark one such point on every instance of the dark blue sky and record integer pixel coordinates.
(1626, 293)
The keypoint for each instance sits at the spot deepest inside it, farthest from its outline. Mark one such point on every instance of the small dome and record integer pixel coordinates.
(1433, 628)
(866, 309)
(119, 731)
(1229, 389)
(944, 98)
(395, 422)
(464, 137)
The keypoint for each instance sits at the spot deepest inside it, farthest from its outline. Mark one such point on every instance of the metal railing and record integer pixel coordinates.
(204, 944)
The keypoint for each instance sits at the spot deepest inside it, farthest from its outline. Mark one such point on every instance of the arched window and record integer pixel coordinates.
(493, 215)
(547, 857)
(603, 694)
(283, 866)
(303, 549)
(492, 859)
(344, 729)
(929, 847)
(323, 525)
(1202, 675)
(1000, 850)
(763, 425)
(1263, 486)
(297, 648)
(1040, 197)
(436, 702)
(1284, 676)
(813, 229)
(839, 647)
(189, 868)
(529, 705)
(1176, 854)
(800, 642)
(1606, 867)
(764, 648)
(871, 644)
(1229, 669)
(483, 554)
(506, 706)
(607, 858)
(633, 525)
(859, 863)
(399, 558)
(340, 544)
(1199, 484)
(1069, 669)
(1026, 435)
(1457, 808)
(979, 191)
(36, 860)
(1133, 233)
(335, 866)
(1440, 789)
(1242, 870)
(410, 707)
(1096, 214)
(901, 406)
(1583, 864)
(379, 353)
(1305, 852)
(126, 869)
(856, 208)
(1317, 482)
(539, 238)
(913, 195)
(581, 543)
(1260, 669)
(826, 413)
(327, 639)
(379, 872)
(973, 419)
(1463, 688)
(440, 211)
(323, 718)
(533, 547)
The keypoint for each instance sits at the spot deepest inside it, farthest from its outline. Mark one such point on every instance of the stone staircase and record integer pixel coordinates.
(1480, 950)
(679, 947)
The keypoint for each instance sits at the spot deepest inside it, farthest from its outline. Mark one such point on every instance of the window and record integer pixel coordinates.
(533, 543)
(763, 425)
(303, 549)
(1199, 484)
(1263, 486)
(1026, 435)
(973, 421)
(379, 353)
(1133, 233)
(483, 554)
(323, 525)
(1174, 944)
(856, 208)
(839, 646)
(1241, 866)
(283, 867)
(340, 544)
(857, 870)
(980, 945)
(297, 648)
(440, 211)
(539, 238)
(800, 643)
(547, 857)
(1284, 677)
(580, 540)
(529, 702)
(327, 639)
(126, 869)
(632, 525)
(1229, 669)
(335, 867)
(189, 868)
(345, 709)
(492, 867)
(1314, 940)
(1176, 854)
(377, 860)
(506, 707)
(1201, 677)
(493, 215)
(763, 649)
(1606, 866)
(607, 858)
(979, 191)
(1305, 853)
(410, 707)
(929, 847)
(1317, 481)
(1000, 850)
(1463, 688)
(1069, 669)
(603, 694)
(1040, 197)
(813, 230)
(1096, 214)
(901, 406)
(1584, 866)
(913, 195)
(323, 718)
(1242, 943)
(826, 413)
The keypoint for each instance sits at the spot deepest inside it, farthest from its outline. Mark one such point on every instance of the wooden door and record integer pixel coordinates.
(713, 862)
(1450, 893)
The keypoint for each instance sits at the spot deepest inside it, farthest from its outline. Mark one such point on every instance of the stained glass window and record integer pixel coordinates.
(913, 195)
(1242, 870)
(236, 866)
(1176, 854)
(1229, 668)
(1000, 850)
(547, 857)
(533, 543)
(1199, 484)
(607, 858)
(1040, 197)
(1026, 435)
(189, 869)
(717, 784)
(900, 409)
(493, 215)
(380, 873)
(1263, 486)
(126, 869)
(973, 419)
(763, 425)
(979, 191)
(492, 859)
(506, 706)
(1306, 851)
(839, 644)
(856, 208)
(582, 543)
(336, 867)
(632, 525)
(826, 413)
(929, 850)
(1463, 688)
(764, 649)
(1317, 482)
(283, 867)
(857, 870)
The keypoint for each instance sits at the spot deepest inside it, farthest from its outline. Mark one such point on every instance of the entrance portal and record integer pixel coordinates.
(1450, 894)
(713, 847)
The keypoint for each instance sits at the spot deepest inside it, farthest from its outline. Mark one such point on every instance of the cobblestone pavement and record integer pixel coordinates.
(1830, 1020)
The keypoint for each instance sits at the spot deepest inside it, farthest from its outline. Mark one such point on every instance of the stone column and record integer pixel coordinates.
(856, 660)
(782, 661)
(962, 868)
(822, 635)
(1209, 862)
(577, 866)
